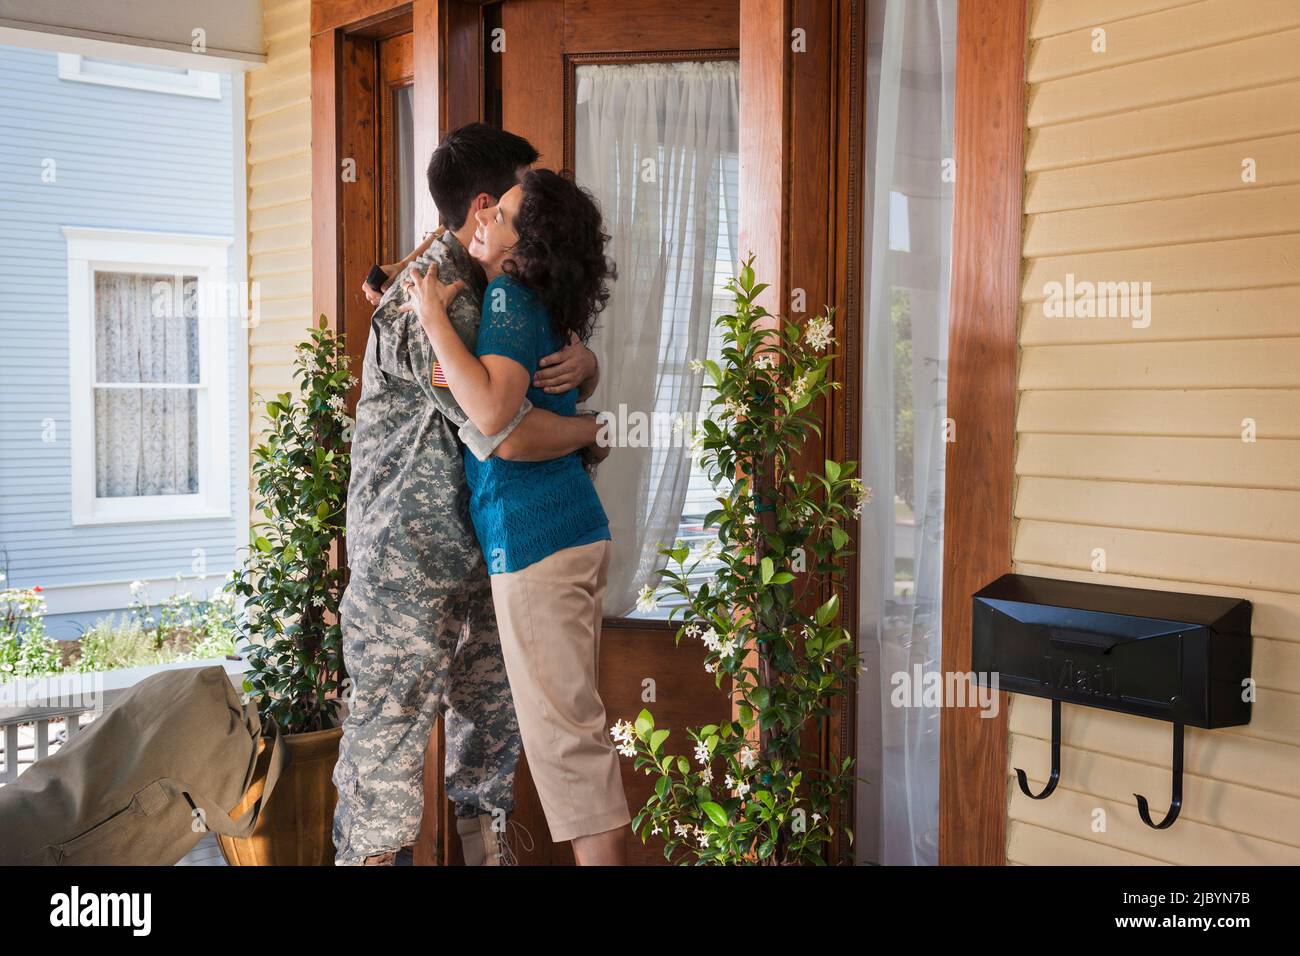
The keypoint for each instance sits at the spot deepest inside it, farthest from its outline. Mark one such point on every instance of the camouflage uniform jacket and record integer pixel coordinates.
(408, 504)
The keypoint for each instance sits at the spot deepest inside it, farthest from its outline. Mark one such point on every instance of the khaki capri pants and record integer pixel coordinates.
(548, 615)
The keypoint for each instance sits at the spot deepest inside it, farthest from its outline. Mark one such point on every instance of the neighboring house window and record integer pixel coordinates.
(149, 369)
(155, 79)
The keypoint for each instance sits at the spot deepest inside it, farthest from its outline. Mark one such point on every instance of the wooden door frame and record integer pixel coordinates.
(801, 209)
(982, 361)
(807, 222)
(344, 113)
(336, 134)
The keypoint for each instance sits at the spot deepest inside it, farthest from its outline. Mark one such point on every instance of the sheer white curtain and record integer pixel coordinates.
(908, 230)
(656, 143)
(146, 333)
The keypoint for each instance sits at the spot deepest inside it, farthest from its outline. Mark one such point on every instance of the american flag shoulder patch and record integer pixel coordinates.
(439, 380)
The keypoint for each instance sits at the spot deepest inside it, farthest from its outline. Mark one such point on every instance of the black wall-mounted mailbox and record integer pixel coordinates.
(1184, 658)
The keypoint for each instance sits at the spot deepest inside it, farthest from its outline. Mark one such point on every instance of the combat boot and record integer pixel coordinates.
(476, 837)
(403, 857)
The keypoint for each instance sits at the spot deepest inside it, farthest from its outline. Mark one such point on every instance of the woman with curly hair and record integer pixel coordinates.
(541, 526)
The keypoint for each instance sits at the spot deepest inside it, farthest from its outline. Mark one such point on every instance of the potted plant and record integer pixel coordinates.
(749, 791)
(291, 583)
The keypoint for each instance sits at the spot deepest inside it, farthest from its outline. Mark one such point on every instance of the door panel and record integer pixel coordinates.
(602, 26)
(532, 75)
(543, 41)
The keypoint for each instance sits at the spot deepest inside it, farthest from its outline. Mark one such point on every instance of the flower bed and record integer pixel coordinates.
(180, 628)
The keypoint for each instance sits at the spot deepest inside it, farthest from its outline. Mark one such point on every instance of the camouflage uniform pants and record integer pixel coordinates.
(407, 663)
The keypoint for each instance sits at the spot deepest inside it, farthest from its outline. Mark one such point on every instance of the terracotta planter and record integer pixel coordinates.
(295, 826)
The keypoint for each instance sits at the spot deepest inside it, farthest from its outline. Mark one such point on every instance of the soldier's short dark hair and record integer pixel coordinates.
(474, 159)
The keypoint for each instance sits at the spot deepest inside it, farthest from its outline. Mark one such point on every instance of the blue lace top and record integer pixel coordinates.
(524, 511)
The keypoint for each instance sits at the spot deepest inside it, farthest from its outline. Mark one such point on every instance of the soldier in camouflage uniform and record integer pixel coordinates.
(419, 631)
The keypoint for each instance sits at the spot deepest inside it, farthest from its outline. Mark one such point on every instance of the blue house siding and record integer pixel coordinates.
(123, 159)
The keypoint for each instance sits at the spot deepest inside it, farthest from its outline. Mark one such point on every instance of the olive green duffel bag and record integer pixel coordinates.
(143, 783)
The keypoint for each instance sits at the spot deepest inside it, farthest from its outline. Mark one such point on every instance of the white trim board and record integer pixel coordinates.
(115, 595)
(78, 68)
(71, 39)
(243, 438)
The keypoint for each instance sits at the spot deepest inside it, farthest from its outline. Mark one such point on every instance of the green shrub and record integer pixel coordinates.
(25, 649)
(291, 580)
(110, 644)
(750, 789)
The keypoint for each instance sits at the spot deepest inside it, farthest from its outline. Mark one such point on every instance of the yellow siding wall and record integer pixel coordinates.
(1130, 439)
(279, 196)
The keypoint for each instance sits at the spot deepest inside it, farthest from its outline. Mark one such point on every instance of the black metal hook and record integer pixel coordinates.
(1175, 804)
(1055, 778)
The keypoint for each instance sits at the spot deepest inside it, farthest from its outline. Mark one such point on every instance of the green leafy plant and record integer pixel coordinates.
(751, 792)
(181, 627)
(191, 627)
(110, 644)
(25, 649)
(291, 581)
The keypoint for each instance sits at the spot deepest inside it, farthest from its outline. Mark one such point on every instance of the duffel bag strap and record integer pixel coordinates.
(258, 792)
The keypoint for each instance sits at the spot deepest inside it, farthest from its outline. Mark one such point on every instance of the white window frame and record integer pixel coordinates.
(200, 83)
(116, 250)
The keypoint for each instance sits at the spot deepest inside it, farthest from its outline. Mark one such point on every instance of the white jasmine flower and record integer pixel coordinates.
(727, 647)
(735, 410)
(623, 731)
(742, 790)
(692, 630)
(680, 829)
(706, 775)
(747, 757)
(703, 838)
(709, 668)
(766, 361)
(657, 829)
(698, 451)
(701, 752)
(818, 333)
(864, 496)
(816, 817)
(711, 639)
(799, 387)
(646, 600)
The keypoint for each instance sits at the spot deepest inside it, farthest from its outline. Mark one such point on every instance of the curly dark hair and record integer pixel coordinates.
(560, 253)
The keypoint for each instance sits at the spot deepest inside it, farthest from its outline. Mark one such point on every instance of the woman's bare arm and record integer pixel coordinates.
(489, 389)
(543, 435)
